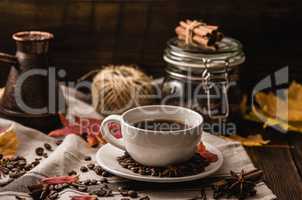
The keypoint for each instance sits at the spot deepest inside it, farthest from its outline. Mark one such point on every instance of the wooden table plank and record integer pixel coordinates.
(295, 140)
(280, 172)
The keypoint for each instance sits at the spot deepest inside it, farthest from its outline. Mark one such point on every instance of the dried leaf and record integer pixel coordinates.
(60, 180)
(87, 127)
(8, 141)
(83, 197)
(251, 140)
(204, 153)
(287, 108)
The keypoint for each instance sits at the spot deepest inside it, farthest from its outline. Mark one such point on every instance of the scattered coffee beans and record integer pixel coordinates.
(194, 166)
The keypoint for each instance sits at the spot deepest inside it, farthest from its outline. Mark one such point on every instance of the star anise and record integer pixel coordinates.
(236, 185)
(171, 171)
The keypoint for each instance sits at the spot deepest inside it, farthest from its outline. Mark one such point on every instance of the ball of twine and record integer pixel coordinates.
(118, 88)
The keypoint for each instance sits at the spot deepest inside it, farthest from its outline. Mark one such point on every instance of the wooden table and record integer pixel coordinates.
(281, 162)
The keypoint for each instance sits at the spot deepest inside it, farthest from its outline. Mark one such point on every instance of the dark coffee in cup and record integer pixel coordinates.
(161, 125)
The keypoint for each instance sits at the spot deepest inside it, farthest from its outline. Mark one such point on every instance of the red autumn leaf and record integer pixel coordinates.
(64, 120)
(204, 153)
(60, 180)
(89, 126)
(83, 197)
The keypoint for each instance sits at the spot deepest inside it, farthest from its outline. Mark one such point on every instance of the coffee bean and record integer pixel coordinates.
(48, 147)
(98, 170)
(72, 173)
(13, 174)
(93, 182)
(132, 194)
(45, 155)
(101, 193)
(144, 198)
(103, 180)
(58, 142)
(106, 174)
(35, 163)
(82, 188)
(84, 169)
(53, 195)
(87, 158)
(109, 193)
(90, 166)
(39, 151)
(120, 189)
(124, 193)
(22, 162)
(86, 182)
(10, 166)
(20, 198)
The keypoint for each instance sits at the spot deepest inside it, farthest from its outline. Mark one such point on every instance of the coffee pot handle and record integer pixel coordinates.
(106, 133)
(8, 58)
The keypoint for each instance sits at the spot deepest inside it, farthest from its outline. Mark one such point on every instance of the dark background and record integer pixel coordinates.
(91, 33)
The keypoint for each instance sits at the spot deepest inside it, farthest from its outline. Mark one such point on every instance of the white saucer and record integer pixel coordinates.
(107, 155)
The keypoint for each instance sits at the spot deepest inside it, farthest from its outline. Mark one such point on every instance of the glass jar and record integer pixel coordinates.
(204, 80)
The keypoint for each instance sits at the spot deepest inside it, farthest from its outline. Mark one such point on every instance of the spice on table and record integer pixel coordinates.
(198, 34)
(240, 185)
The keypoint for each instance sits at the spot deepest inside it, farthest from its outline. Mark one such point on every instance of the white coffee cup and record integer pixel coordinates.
(156, 148)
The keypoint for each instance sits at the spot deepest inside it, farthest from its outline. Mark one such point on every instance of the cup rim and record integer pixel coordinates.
(158, 132)
(20, 36)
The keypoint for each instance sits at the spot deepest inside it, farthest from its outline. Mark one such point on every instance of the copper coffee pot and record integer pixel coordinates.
(28, 88)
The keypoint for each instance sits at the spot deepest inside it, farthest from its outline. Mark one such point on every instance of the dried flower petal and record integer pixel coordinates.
(60, 180)
(83, 197)
(250, 141)
(204, 153)
(80, 126)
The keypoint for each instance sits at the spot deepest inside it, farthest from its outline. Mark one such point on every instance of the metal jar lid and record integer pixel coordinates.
(187, 57)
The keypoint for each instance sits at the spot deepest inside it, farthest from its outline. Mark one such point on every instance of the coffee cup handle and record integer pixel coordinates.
(119, 143)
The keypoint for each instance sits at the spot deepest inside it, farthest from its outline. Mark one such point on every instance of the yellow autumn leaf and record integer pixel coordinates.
(250, 141)
(8, 142)
(286, 109)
